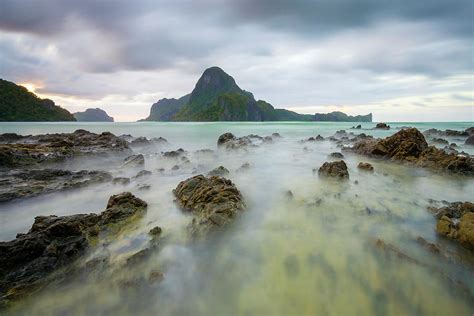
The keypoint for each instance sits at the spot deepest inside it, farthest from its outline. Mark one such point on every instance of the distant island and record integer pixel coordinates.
(217, 97)
(93, 115)
(17, 104)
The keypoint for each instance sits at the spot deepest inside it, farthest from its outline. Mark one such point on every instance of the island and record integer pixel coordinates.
(93, 115)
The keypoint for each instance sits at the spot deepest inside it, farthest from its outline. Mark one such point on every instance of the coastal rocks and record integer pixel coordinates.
(54, 242)
(456, 221)
(409, 145)
(317, 138)
(25, 150)
(440, 141)
(382, 126)
(213, 201)
(244, 167)
(219, 171)
(133, 161)
(365, 166)
(447, 133)
(28, 183)
(469, 141)
(336, 169)
(336, 155)
(174, 153)
(230, 141)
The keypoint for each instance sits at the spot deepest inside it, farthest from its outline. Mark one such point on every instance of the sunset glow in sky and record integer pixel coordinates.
(401, 60)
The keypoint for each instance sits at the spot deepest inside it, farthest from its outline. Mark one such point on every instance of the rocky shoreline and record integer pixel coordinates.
(213, 202)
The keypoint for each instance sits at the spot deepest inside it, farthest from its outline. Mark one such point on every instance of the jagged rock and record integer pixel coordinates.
(26, 150)
(121, 180)
(357, 127)
(314, 139)
(456, 221)
(230, 141)
(470, 130)
(133, 161)
(409, 145)
(155, 231)
(448, 132)
(140, 141)
(54, 242)
(440, 141)
(219, 171)
(214, 201)
(225, 138)
(382, 126)
(365, 166)
(469, 141)
(174, 153)
(143, 173)
(335, 169)
(245, 166)
(18, 184)
(336, 155)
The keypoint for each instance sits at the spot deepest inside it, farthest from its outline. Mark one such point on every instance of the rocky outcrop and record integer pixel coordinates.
(469, 141)
(28, 183)
(93, 115)
(230, 141)
(446, 133)
(133, 161)
(382, 126)
(365, 166)
(18, 150)
(456, 221)
(213, 201)
(219, 171)
(336, 155)
(409, 145)
(54, 242)
(335, 169)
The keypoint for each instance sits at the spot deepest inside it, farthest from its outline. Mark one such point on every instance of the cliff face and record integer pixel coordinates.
(166, 109)
(93, 115)
(18, 104)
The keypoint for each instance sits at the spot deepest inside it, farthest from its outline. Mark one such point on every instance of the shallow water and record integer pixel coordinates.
(313, 255)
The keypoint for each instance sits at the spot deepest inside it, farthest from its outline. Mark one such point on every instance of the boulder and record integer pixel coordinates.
(219, 171)
(133, 161)
(54, 242)
(382, 126)
(336, 155)
(365, 166)
(213, 201)
(335, 169)
(174, 153)
(470, 140)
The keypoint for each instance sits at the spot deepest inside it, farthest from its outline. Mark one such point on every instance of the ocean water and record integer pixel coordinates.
(313, 255)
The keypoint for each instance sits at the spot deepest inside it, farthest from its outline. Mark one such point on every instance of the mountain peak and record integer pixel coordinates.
(213, 82)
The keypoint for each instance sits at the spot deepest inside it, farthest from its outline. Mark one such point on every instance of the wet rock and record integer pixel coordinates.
(382, 126)
(139, 257)
(336, 155)
(174, 153)
(144, 187)
(54, 242)
(409, 145)
(470, 130)
(205, 151)
(121, 180)
(18, 184)
(122, 206)
(318, 138)
(448, 133)
(456, 221)
(365, 166)
(155, 276)
(230, 141)
(440, 141)
(219, 171)
(26, 150)
(143, 173)
(155, 231)
(225, 138)
(213, 201)
(140, 141)
(175, 167)
(469, 141)
(335, 169)
(159, 141)
(276, 135)
(133, 161)
(357, 127)
(245, 166)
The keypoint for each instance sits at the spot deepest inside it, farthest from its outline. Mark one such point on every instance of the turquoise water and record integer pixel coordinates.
(314, 255)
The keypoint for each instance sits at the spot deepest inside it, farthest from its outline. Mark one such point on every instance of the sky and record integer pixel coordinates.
(402, 60)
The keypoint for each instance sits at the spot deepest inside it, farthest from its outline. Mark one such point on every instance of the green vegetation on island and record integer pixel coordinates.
(93, 115)
(17, 104)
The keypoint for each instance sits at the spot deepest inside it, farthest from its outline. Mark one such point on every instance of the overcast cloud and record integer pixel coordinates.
(401, 60)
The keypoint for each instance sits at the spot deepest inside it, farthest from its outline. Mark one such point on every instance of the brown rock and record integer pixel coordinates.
(336, 169)
(365, 166)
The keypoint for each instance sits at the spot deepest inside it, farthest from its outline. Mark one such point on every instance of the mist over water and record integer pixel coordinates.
(313, 254)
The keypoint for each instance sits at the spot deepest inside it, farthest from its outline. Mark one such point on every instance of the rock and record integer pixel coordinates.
(155, 231)
(365, 166)
(143, 173)
(289, 195)
(213, 201)
(225, 138)
(448, 133)
(276, 135)
(144, 187)
(133, 161)
(155, 277)
(54, 242)
(456, 221)
(26, 150)
(335, 169)
(245, 166)
(469, 141)
(314, 139)
(219, 171)
(18, 184)
(336, 155)
(230, 141)
(175, 167)
(122, 206)
(470, 130)
(121, 180)
(174, 153)
(440, 141)
(382, 126)
(159, 140)
(140, 141)
(357, 127)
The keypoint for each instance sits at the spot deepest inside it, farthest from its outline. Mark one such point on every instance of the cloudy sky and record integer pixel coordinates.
(402, 60)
